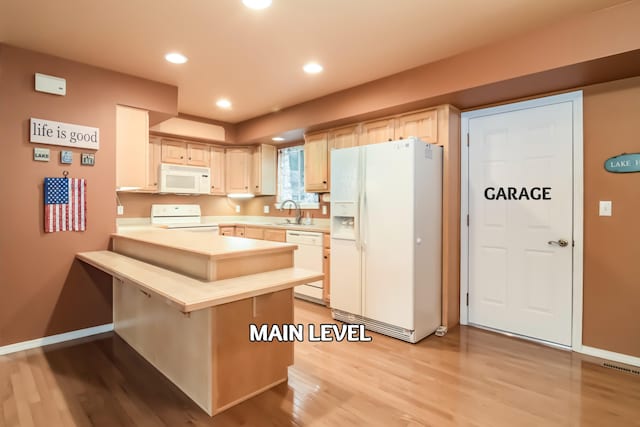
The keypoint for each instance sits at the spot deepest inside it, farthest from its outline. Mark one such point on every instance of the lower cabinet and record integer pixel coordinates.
(275, 235)
(254, 233)
(326, 269)
(227, 231)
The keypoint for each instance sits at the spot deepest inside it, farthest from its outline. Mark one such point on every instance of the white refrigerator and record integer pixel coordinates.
(386, 237)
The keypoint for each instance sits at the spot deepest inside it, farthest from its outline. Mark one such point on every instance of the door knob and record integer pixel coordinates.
(562, 243)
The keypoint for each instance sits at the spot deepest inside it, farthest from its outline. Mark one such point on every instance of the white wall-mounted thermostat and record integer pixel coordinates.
(51, 84)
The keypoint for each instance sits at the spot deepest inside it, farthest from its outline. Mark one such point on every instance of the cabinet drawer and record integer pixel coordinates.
(275, 235)
(326, 240)
(254, 233)
(227, 231)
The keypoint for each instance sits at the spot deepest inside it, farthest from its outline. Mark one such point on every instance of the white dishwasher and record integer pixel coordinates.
(308, 256)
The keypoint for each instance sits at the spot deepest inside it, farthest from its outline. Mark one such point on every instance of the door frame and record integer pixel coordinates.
(578, 202)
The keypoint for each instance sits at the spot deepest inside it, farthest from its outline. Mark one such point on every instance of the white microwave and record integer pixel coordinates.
(184, 179)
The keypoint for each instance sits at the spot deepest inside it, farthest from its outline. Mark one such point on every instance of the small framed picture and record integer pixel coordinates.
(88, 159)
(66, 157)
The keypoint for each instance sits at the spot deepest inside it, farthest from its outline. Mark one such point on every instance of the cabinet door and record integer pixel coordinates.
(343, 138)
(423, 124)
(326, 265)
(174, 152)
(237, 170)
(275, 235)
(316, 179)
(132, 145)
(216, 163)
(256, 170)
(239, 232)
(378, 131)
(198, 155)
(254, 233)
(227, 231)
(153, 163)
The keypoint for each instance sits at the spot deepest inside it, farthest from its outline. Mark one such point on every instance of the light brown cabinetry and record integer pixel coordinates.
(263, 170)
(423, 125)
(132, 148)
(216, 163)
(316, 164)
(254, 233)
(239, 231)
(185, 153)
(345, 137)
(326, 269)
(227, 231)
(275, 235)
(153, 165)
(377, 131)
(237, 170)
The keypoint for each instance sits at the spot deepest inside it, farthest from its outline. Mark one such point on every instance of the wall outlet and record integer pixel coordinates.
(120, 210)
(237, 208)
(324, 209)
(606, 208)
(265, 209)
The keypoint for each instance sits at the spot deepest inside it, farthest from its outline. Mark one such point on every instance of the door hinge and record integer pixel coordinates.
(467, 220)
(467, 299)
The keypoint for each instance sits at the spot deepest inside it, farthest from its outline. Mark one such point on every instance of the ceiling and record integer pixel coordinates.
(255, 58)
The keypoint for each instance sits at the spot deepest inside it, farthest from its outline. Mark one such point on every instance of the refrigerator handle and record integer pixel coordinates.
(362, 200)
(356, 225)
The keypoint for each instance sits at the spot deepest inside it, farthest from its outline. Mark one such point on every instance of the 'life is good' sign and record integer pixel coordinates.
(64, 134)
(624, 163)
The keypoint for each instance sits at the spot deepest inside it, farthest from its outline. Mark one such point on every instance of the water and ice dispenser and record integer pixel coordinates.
(343, 220)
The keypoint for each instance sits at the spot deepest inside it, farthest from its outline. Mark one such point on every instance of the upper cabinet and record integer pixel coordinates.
(216, 162)
(238, 170)
(263, 171)
(423, 124)
(316, 164)
(343, 137)
(132, 148)
(153, 168)
(377, 131)
(185, 153)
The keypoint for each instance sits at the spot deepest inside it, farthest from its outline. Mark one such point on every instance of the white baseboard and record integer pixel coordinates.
(54, 339)
(610, 355)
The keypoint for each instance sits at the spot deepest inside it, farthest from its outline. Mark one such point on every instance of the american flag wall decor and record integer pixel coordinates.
(65, 204)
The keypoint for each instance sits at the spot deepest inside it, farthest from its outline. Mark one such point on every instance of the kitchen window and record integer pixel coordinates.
(291, 178)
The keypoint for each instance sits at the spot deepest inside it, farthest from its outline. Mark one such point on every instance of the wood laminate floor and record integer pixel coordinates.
(468, 378)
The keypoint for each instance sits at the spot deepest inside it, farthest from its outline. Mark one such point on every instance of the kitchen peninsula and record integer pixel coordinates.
(185, 301)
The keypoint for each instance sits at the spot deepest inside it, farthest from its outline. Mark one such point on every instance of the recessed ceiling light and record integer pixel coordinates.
(257, 4)
(176, 58)
(223, 103)
(312, 68)
(277, 138)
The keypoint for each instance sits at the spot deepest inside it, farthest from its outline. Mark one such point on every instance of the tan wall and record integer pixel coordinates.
(44, 292)
(612, 244)
(138, 205)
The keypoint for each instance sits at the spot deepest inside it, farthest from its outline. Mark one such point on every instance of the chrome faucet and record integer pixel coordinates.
(298, 211)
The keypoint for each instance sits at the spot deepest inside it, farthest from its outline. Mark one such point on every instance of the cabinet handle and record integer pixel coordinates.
(389, 139)
(182, 157)
(400, 138)
(256, 186)
(325, 257)
(189, 158)
(246, 187)
(324, 182)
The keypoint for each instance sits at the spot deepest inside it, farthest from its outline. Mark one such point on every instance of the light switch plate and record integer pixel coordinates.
(324, 209)
(237, 208)
(120, 210)
(606, 208)
(265, 209)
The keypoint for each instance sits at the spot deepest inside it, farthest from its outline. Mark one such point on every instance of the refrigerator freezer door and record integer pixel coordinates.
(344, 175)
(388, 233)
(346, 291)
